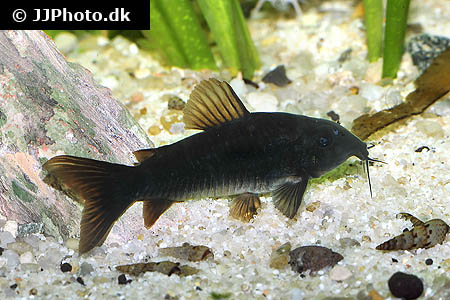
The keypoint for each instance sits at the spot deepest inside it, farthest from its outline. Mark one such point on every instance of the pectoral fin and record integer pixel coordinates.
(288, 196)
(153, 209)
(244, 206)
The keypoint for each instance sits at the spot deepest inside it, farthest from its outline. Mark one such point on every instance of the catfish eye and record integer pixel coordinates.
(323, 141)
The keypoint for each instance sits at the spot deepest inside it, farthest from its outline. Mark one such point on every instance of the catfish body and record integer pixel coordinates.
(237, 153)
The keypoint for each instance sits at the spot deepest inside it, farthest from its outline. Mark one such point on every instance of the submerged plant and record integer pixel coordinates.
(394, 34)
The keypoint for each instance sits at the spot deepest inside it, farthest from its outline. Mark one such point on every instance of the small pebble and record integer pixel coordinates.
(279, 258)
(27, 257)
(348, 243)
(277, 76)
(262, 102)
(406, 286)
(66, 42)
(80, 280)
(33, 292)
(66, 267)
(313, 258)
(72, 244)
(12, 258)
(394, 260)
(122, 279)
(6, 237)
(428, 261)
(85, 269)
(19, 247)
(175, 103)
(13, 286)
(340, 273)
(431, 128)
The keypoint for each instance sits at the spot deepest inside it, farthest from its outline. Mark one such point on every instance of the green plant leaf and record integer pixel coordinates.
(228, 27)
(394, 36)
(373, 16)
(176, 32)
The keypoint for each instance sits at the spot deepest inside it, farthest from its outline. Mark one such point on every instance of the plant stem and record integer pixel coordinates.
(373, 15)
(394, 36)
(227, 24)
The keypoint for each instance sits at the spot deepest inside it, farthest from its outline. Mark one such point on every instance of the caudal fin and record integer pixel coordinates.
(105, 188)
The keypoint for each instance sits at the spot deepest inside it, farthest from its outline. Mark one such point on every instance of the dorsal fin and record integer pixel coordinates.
(143, 154)
(212, 103)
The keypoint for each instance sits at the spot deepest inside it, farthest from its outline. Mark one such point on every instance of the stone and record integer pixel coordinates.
(19, 247)
(72, 244)
(85, 269)
(12, 258)
(5, 238)
(27, 257)
(262, 102)
(277, 76)
(349, 243)
(188, 252)
(66, 42)
(279, 258)
(313, 258)
(406, 286)
(340, 273)
(430, 128)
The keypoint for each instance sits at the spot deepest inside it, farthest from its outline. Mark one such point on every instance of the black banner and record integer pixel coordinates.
(68, 15)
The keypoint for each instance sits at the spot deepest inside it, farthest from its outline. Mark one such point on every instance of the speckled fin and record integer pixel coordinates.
(153, 209)
(143, 154)
(212, 102)
(244, 206)
(288, 196)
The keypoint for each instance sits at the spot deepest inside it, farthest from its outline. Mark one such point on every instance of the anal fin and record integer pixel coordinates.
(153, 209)
(288, 197)
(245, 206)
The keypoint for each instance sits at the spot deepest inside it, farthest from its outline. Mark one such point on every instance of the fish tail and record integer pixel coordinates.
(105, 188)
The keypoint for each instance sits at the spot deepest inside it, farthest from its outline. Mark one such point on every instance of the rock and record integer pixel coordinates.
(85, 269)
(72, 244)
(277, 76)
(54, 107)
(29, 267)
(12, 227)
(238, 86)
(27, 257)
(19, 247)
(66, 267)
(371, 92)
(5, 238)
(313, 258)
(188, 252)
(348, 243)
(279, 258)
(430, 128)
(29, 228)
(66, 42)
(122, 279)
(340, 273)
(425, 48)
(262, 102)
(406, 286)
(12, 258)
(165, 267)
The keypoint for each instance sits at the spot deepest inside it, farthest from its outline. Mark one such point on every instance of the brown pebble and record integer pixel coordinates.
(137, 97)
(354, 90)
(66, 267)
(154, 130)
(143, 111)
(33, 292)
(175, 103)
(13, 286)
(188, 252)
(313, 258)
(165, 267)
(277, 76)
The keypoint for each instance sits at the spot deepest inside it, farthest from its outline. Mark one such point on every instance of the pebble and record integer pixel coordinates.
(188, 252)
(12, 258)
(19, 247)
(85, 269)
(428, 261)
(262, 102)
(277, 76)
(72, 243)
(29, 267)
(279, 258)
(371, 92)
(122, 279)
(5, 238)
(12, 227)
(430, 128)
(66, 42)
(406, 286)
(313, 258)
(238, 86)
(349, 243)
(340, 273)
(27, 257)
(66, 267)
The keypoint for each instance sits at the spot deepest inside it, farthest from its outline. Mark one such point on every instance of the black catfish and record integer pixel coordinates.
(237, 153)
